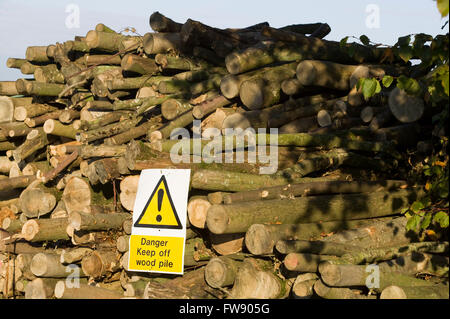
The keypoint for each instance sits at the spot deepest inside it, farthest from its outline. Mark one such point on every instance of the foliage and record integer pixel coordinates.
(430, 81)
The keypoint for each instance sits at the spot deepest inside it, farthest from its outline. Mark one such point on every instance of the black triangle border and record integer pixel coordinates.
(178, 226)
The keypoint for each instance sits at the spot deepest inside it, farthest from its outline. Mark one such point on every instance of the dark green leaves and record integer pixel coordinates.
(387, 81)
(410, 85)
(364, 39)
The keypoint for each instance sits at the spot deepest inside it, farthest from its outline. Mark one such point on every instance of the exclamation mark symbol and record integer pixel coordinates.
(160, 199)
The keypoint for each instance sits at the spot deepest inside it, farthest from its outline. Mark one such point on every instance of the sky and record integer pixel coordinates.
(25, 23)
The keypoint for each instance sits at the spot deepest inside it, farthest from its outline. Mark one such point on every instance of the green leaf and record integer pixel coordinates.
(343, 42)
(413, 222)
(443, 7)
(360, 83)
(404, 210)
(387, 81)
(445, 84)
(410, 85)
(426, 221)
(417, 206)
(369, 88)
(404, 41)
(405, 53)
(441, 218)
(378, 88)
(364, 39)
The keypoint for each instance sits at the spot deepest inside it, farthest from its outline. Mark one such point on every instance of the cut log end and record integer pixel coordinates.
(59, 289)
(306, 73)
(215, 272)
(406, 108)
(217, 219)
(251, 94)
(329, 273)
(291, 261)
(258, 240)
(197, 210)
(30, 229)
(393, 292)
(229, 86)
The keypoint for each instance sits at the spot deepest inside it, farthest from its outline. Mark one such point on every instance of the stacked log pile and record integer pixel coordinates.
(98, 109)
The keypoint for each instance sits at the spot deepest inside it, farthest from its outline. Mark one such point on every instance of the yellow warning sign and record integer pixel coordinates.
(159, 212)
(156, 254)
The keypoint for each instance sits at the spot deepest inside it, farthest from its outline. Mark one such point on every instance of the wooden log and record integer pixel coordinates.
(123, 243)
(40, 288)
(377, 235)
(49, 74)
(16, 182)
(23, 262)
(48, 265)
(15, 63)
(68, 116)
(37, 54)
(264, 90)
(79, 196)
(103, 28)
(408, 292)
(326, 292)
(325, 74)
(394, 273)
(36, 140)
(371, 255)
(314, 188)
(406, 108)
(84, 221)
(238, 217)
(369, 112)
(39, 120)
(315, 48)
(39, 88)
(251, 282)
(99, 59)
(292, 86)
(172, 108)
(304, 262)
(92, 151)
(104, 119)
(191, 285)
(6, 109)
(8, 88)
(155, 43)
(381, 119)
(38, 200)
(137, 64)
(303, 287)
(70, 256)
(221, 271)
(160, 23)
(228, 181)
(106, 131)
(104, 41)
(33, 168)
(84, 291)
(227, 244)
(36, 230)
(55, 127)
(209, 106)
(100, 263)
(197, 209)
(12, 225)
(128, 190)
(315, 247)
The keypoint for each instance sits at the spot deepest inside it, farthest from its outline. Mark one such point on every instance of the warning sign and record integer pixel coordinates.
(159, 221)
(159, 212)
